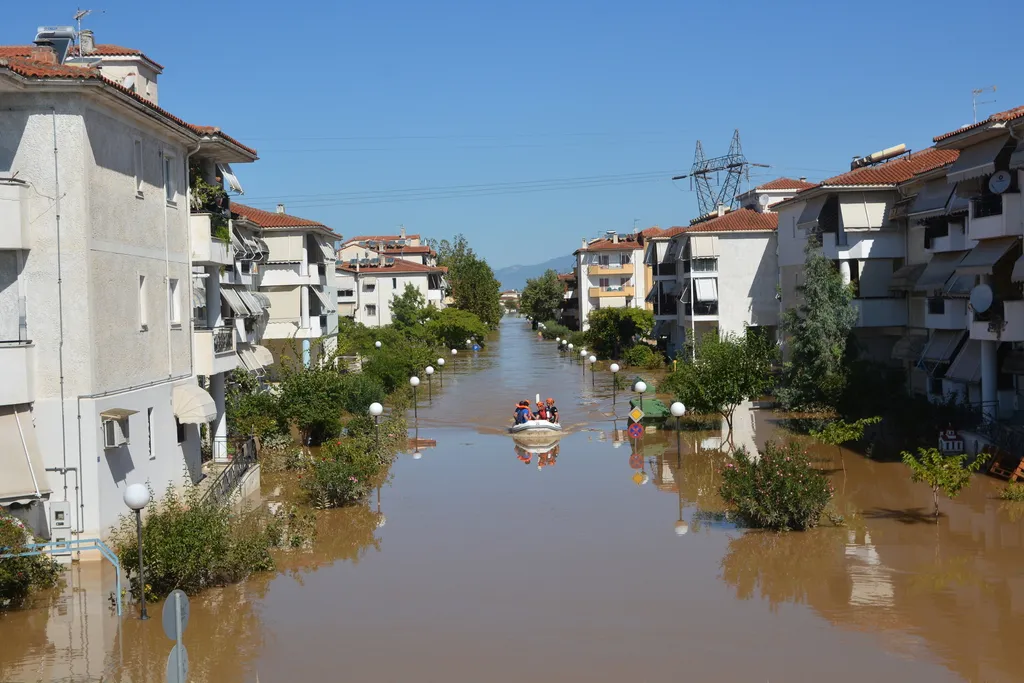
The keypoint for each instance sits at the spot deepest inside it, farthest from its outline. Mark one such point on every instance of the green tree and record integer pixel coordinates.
(453, 326)
(407, 308)
(838, 432)
(947, 473)
(313, 398)
(471, 282)
(819, 329)
(612, 330)
(542, 297)
(726, 372)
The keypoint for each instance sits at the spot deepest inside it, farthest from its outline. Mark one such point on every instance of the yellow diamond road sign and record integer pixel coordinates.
(636, 415)
(638, 479)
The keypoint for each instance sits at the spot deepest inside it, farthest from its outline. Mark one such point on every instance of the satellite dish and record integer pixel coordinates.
(981, 298)
(129, 82)
(999, 182)
(763, 200)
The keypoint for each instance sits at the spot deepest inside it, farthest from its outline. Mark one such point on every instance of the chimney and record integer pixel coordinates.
(583, 243)
(615, 238)
(803, 179)
(280, 208)
(44, 54)
(86, 42)
(721, 210)
(401, 232)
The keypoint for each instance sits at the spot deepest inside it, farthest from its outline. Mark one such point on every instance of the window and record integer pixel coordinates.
(936, 306)
(137, 163)
(705, 265)
(624, 259)
(603, 282)
(143, 318)
(371, 310)
(346, 293)
(181, 431)
(149, 428)
(623, 281)
(174, 302)
(394, 283)
(170, 188)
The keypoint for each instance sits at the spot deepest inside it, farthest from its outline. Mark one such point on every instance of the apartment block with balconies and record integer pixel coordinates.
(610, 271)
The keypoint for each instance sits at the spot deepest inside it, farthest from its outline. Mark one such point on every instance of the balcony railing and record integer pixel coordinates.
(988, 205)
(666, 307)
(223, 339)
(607, 291)
(702, 308)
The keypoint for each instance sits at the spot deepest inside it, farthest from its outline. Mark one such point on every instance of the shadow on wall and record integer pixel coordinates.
(119, 462)
(12, 130)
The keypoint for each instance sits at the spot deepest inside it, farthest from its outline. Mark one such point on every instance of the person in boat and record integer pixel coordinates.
(542, 412)
(552, 410)
(523, 412)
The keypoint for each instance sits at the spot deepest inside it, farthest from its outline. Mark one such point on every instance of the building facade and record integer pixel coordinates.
(610, 272)
(367, 287)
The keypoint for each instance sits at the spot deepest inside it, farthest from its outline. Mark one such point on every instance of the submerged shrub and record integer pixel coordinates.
(642, 356)
(554, 329)
(779, 490)
(1013, 492)
(19, 576)
(192, 545)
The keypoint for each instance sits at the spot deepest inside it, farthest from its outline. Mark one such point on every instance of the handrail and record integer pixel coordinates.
(228, 479)
(75, 545)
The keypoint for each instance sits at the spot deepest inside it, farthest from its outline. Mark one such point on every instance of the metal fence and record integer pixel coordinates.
(244, 458)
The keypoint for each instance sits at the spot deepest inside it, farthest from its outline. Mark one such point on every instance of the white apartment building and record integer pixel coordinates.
(402, 246)
(660, 259)
(610, 271)
(366, 287)
(852, 216)
(99, 387)
(298, 279)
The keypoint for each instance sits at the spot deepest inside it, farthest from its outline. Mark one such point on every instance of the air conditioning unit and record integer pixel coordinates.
(115, 433)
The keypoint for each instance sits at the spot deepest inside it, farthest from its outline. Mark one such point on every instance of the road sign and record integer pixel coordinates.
(169, 618)
(636, 430)
(640, 478)
(177, 671)
(636, 415)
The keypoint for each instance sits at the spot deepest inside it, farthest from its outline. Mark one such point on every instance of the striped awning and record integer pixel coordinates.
(24, 477)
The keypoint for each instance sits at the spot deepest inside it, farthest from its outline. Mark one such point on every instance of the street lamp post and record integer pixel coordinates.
(640, 387)
(592, 359)
(137, 497)
(377, 344)
(430, 383)
(375, 410)
(615, 380)
(583, 361)
(440, 371)
(570, 351)
(415, 382)
(678, 410)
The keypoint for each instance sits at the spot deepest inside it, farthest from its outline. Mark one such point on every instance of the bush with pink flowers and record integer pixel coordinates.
(779, 490)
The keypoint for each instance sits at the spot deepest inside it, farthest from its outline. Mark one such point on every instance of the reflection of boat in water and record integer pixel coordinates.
(546, 455)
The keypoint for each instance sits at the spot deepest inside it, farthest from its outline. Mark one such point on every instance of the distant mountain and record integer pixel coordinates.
(515, 277)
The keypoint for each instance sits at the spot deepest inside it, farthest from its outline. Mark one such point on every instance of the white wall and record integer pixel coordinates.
(747, 278)
(791, 240)
(387, 287)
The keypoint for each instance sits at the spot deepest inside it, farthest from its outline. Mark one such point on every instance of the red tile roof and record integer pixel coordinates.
(895, 171)
(740, 220)
(271, 220)
(998, 117)
(379, 238)
(422, 249)
(567, 276)
(399, 266)
(26, 67)
(625, 243)
(785, 184)
(102, 50)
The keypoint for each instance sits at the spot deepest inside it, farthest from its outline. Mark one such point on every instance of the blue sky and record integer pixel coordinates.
(346, 101)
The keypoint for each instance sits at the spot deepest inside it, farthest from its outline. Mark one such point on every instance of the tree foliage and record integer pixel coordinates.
(838, 432)
(613, 330)
(453, 326)
(819, 330)
(949, 474)
(408, 308)
(19, 576)
(471, 282)
(542, 296)
(725, 372)
(313, 398)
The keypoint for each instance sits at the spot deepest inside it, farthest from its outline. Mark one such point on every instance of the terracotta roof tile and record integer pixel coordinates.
(739, 220)
(785, 184)
(895, 171)
(271, 220)
(422, 249)
(102, 50)
(625, 243)
(400, 266)
(379, 238)
(998, 117)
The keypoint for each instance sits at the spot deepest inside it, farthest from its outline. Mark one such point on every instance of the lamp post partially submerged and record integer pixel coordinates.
(592, 360)
(440, 371)
(678, 410)
(614, 367)
(376, 410)
(430, 383)
(137, 498)
(640, 387)
(415, 382)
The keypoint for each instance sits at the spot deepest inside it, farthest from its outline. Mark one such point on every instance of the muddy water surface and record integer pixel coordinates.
(600, 560)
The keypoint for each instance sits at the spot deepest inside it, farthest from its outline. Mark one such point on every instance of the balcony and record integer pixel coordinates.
(17, 360)
(863, 244)
(597, 269)
(215, 350)
(946, 314)
(1004, 322)
(955, 239)
(207, 249)
(348, 296)
(13, 214)
(881, 312)
(707, 310)
(667, 269)
(607, 292)
(666, 308)
(995, 216)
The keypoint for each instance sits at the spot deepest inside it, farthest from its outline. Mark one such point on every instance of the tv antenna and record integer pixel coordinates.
(734, 165)
(975, 102)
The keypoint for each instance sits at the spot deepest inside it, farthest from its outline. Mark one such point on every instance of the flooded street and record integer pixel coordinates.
(492, 563)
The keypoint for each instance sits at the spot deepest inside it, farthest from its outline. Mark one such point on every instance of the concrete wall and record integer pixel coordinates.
(747, 278)
(791, 239)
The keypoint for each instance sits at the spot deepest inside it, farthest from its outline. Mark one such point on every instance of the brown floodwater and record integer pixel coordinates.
(598, 560)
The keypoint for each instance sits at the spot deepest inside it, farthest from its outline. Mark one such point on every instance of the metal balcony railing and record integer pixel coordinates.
(223, 339)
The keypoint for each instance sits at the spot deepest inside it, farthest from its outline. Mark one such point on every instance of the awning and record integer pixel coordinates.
(117, 414)
(812, 210)
(977, 160)
(909, 347)
(979, 261)
(1014, 363)
(1018, 271)
(905, 279)
(24, 478)
(324, 301)
(326, 249)
(703, 246)
(707, 289)
(1017, 158)
(230, 178)
(966, 368)
(901, 208)
(240, 251)
(684, 293)
(932, 200)
(198, 292)
(264, 249)
(938, 271)
(193, 405)
(234, 302)
(250, 302)
(250, 361)
(854, 212)
(652, 295)
(942, 345)
(262, 298)
(263, 355)
(959, 287)
(958, 205)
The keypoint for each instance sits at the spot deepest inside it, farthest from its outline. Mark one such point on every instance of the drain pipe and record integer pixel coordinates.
(60, 308)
